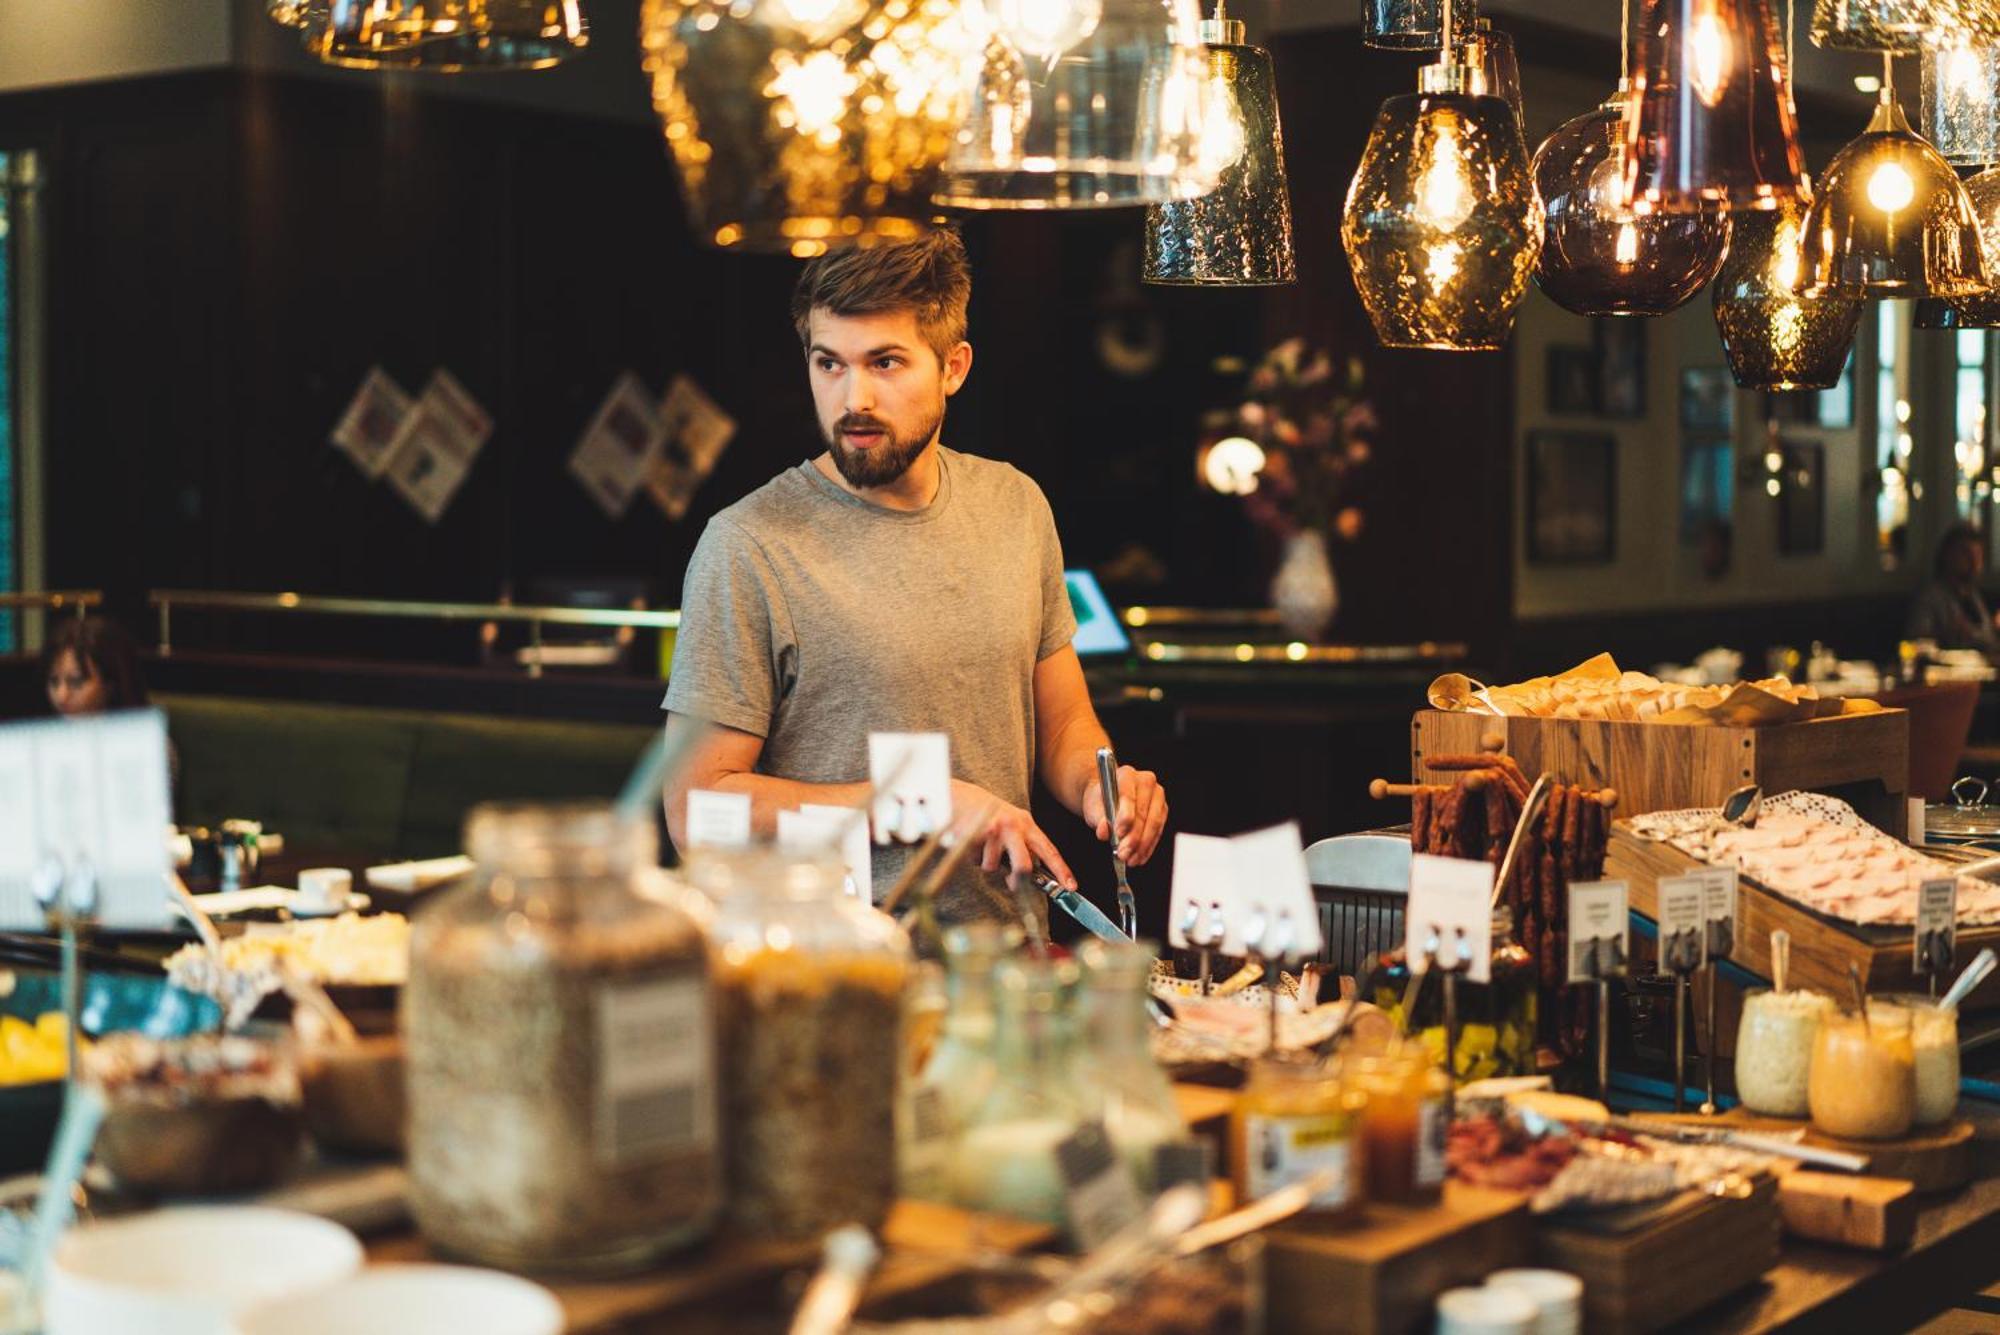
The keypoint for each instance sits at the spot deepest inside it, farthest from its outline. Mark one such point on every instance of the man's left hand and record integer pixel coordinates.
(1141, 817)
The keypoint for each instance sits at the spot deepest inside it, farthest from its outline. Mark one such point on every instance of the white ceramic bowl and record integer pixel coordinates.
(1556, 1294)
(187, 1271)
(411, 1300)
(1485, 1312)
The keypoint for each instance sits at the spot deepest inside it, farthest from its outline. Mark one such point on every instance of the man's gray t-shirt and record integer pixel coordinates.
(811, 618)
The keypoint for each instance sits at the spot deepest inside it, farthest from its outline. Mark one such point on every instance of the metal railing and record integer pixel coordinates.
(53, 600)
(1298, 651)
(534, 616)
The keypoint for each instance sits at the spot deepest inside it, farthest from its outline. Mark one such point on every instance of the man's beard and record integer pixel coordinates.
(883, 463)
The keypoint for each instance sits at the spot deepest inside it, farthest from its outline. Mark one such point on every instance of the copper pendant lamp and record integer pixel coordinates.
(447, 36)
(1442, 226)
(1709, 124)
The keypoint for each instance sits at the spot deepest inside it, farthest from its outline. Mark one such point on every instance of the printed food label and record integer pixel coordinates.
(1284, 1150)
(1433, 1118)
(655, 1085)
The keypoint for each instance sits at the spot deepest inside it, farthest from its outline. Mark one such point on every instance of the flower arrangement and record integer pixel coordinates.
(1310, 421)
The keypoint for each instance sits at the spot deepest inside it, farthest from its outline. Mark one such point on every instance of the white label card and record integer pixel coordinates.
(718, 820)
(1101, 1195)
(911, 774)
(844, 827)
(655, 1090)
(1718, 912)
(1600, 930)
(1203, 906)
(1450, 916)
(1937, 925)
(1270, 866)
(86, 798)
(1683, 920)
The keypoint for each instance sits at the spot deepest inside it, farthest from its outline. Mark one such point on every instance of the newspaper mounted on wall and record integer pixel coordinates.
(695, 432)
(373, 417)
(434, 450)
(617, 451)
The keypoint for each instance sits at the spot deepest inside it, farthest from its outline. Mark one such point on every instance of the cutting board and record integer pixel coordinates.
(1931, 1159)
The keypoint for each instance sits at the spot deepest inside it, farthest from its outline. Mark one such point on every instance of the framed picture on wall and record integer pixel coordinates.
(1620, 345)
(1801, 497)
(1572, 497)
(1573, 381)
(1708, 400)
(1708, 486)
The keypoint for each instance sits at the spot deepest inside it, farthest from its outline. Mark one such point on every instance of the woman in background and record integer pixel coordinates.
(1951, 610)
(91, 666)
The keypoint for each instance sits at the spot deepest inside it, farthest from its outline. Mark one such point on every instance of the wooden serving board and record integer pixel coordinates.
(1647, 1278)
(1822, 948)
(1864, 758)
(1380, 1276)
(1931, 1159)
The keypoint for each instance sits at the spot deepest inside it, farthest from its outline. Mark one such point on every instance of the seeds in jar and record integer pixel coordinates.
(1774, 1047)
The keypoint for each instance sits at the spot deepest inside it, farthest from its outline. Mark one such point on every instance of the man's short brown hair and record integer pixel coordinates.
(928, 276)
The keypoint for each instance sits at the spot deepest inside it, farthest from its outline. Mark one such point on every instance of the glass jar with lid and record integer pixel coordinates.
(1116, 1076)
(1496, 1019)
(809, 992)
(562, 1095)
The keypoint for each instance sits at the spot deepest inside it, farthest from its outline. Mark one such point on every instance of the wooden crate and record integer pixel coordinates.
(1864, 758)
(1382, 1276)
(1647, 1278)
(1822, 948)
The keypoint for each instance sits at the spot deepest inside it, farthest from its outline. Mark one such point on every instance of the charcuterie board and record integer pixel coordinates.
(1931, 1158)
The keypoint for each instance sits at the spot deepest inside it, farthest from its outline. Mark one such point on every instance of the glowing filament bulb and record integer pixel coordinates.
(812, 95)
(1046, 28)
(1785, 257)
(1890, 189)
(1626, 249)
(1446, 195)
(1443, 264)
(1222, 134)
(1709, 55)
(1961, 69)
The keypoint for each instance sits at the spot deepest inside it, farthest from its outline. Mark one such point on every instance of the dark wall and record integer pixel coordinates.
(230, 252)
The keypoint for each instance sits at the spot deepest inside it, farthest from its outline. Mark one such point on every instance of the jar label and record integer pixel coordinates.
(655, 1085)
(1432, 1123)
(1285, 1150)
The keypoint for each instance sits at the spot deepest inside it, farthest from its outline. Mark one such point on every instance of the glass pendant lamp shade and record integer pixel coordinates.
(1493, 70)
(1775, 338)
(1900, 26)
(1890, 219)
(796, 124)
(1982, 309)
(1710, 123)
(296, 13)
(448, 35)
(1600, 258)
(1961, 100)
(1085, 104)
(1442, 226)
(1240, 233)
(1414, 25)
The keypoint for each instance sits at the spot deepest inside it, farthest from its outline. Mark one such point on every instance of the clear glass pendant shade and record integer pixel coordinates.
(1600, 258)
(796, 124)
(1961, 101)
(1775, 338)
(1085, 115)
(1240, 233)
(1710, 122)
(1492, 68)
(448, 35)
(1442, 226)
(1982, 309)
(1891, 219)
(1414, 25)
(1901, 26)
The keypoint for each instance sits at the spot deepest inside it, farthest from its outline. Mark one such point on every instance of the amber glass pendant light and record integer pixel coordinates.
(1961, 99)
(1982, 309)
(1598, 256)
(798, 124)
(1240, 233)
(448, 35)
(1442, 226)
(1709, 124)
(1890, 218)
(1901, 26)
(1493, 69)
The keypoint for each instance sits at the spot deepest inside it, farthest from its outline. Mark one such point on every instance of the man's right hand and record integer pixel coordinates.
(1012, 835)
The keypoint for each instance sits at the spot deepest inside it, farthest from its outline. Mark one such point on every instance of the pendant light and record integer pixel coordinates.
(1890, 218)
(447, 35)
(1442, 225)
(1982, 309)
(1709, 124)
(1239, 234)
(796, 124)
(1493, 70)
(1414, 25)
(305, 14)
(1085, 104)
(1598, 256)
(1901, 26)
(1961, 99)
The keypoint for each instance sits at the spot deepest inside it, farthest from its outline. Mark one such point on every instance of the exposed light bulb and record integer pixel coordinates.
(1890, 188)
(1442, 265)
(1046, 28)
(1785, 257)
(1222, 133)
(1625, 250)
(1710, 53)
(1961, 67)
(1232, 464)
(1445, 198)
(811, 94)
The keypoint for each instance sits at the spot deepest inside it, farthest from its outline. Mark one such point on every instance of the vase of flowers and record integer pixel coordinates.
(1305, 416)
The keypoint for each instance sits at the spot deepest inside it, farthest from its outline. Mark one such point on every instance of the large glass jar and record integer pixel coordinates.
(1934, 1036)
(1774, 1048)
(1297, 1118)
(809, 987)
(957, 1073)
(1403, 1123)
(562, 1097)
(1496, 1019)
(1863, 1084)
(1116, 1075)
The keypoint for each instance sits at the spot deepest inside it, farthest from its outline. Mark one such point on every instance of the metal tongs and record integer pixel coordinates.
(1128, 904)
